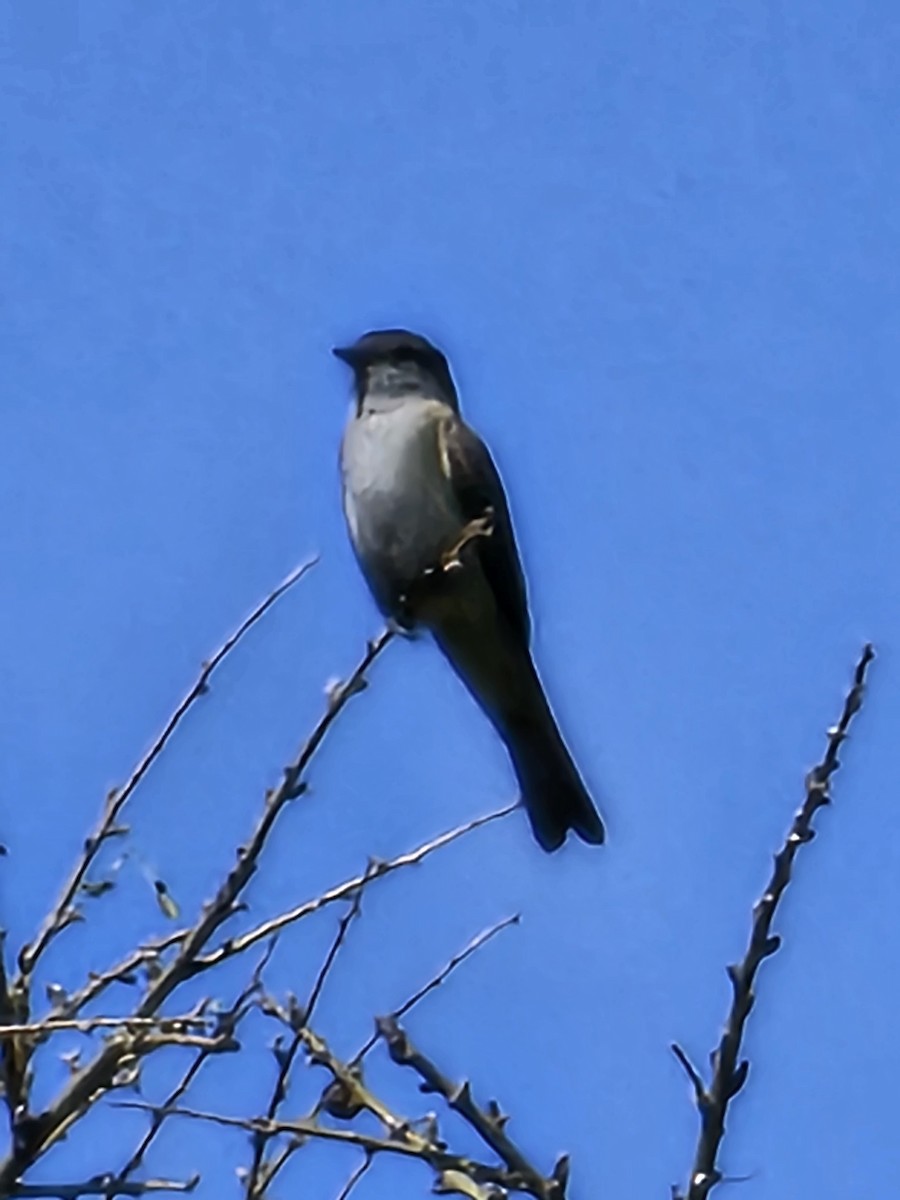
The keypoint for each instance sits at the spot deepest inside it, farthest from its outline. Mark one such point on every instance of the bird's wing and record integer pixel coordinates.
(478, 487)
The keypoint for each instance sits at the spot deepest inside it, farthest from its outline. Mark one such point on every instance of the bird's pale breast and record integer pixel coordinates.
(399, 503)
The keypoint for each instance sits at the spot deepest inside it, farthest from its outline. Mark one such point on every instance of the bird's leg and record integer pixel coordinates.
(482, 526)
(449, 560)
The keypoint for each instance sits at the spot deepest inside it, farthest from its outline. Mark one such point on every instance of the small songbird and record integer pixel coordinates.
(431, 529)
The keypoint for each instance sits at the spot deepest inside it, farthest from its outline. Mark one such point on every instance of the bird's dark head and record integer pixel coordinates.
(395, 362)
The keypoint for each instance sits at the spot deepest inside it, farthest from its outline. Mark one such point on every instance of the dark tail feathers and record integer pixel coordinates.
(553, 792)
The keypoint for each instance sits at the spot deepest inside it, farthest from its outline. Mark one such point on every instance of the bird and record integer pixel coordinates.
(430, 526)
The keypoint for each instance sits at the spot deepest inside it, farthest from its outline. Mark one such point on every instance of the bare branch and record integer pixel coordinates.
(341, 1094)
(436, 980)
(355, 1176)
(488, 1123)
(730, 1074)
(107, 827)
(348, 1095)
(14, 1054)
(344, 891)
(700, 1097)
(124, 971)
(86, 1024)
(258, 1178)
(219, 1043)
(228, 1023)
(407, 1143)
(101, 1185)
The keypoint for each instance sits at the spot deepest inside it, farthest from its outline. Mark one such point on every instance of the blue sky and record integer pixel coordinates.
(659, 244)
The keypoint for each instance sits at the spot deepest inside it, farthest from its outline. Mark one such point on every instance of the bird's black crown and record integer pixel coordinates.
(397, 346)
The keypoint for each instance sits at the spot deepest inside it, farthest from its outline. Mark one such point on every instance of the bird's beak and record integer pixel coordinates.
(345, 354)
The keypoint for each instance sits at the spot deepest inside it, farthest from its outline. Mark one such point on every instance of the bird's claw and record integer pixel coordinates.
(482, 526)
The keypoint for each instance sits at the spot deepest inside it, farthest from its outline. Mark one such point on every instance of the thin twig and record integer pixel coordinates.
(258, 1178)
(353, 1068)
(14, 1054)
(355, 1176)
(60, 915)
(125, 971)
(340, 936)
(218, 1043)
(436, 980)
(730, 1075)
(406, 1143)
(343, 891)
(348, 1095)
(228, 1022)
(87, 1024)
(101, 1185)
(489, 1123)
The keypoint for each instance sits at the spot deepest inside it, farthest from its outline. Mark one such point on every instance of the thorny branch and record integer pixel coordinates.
(730, 1075)
(489, 1123)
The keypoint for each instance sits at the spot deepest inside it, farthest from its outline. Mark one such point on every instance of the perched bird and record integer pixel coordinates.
(431, 529)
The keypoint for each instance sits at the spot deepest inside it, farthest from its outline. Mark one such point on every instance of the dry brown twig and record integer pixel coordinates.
(728, 1073)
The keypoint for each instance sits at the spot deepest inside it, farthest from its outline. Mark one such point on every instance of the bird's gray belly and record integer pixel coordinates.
(400, 507)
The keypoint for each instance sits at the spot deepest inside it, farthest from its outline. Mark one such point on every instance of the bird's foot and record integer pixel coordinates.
(429, 581)
(482, 526)
(403, 625)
